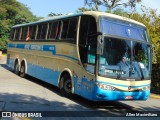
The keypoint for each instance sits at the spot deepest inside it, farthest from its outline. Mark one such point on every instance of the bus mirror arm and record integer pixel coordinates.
(100, 44)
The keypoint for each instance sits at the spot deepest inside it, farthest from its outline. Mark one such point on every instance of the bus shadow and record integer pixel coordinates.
(6, 67)
(94, 105)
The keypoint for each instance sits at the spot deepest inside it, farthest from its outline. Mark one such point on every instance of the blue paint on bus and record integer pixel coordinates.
(42, 73)
(10, 63)
(49, 48)
(109, 83)
(103, 95)
(86, 89)
(67, 57)
(83, 87)
(11, 45)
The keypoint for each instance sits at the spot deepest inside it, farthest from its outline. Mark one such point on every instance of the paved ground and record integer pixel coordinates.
(19, 94)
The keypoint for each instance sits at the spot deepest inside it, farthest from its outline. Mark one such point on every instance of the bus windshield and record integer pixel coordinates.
(124, 59)
(115, 27)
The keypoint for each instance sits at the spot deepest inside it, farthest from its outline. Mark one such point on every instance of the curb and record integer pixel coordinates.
(154, 96)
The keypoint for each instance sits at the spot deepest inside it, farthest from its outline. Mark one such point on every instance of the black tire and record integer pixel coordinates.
(16, 68)
(22, 70)
(66, 86)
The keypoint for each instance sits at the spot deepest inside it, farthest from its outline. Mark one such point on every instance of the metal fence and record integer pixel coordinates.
(155, 80)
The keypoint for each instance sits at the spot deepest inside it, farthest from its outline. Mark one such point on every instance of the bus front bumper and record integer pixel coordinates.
(106, 95)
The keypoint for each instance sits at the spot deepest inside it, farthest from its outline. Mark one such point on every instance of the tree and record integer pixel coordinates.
(152, 21)
(121, 12)
(12, 13)
(83, 9)
(112, 4)
(93, 4)
(54, 14)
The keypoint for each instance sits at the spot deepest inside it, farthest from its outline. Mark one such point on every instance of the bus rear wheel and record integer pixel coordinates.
(16, 68)
(22, 71)
(66, 85)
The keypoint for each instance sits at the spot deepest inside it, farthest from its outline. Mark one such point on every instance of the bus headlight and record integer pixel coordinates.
(146, 88)
(105, 87)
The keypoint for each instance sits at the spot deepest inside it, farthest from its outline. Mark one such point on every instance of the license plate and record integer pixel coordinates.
(128, 97)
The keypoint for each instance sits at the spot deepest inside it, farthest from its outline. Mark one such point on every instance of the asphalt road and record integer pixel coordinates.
(31, 94)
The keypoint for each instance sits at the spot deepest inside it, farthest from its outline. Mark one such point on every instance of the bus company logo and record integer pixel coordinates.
(6, 114)
(129, 87)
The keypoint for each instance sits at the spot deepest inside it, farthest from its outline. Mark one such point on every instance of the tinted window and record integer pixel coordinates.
(24, 33)
(18, 30)
(83, 30)
(53, 30)
(72, 28)
(69, 28)
(39, 31)
(87, 27)
(65, 24)
(92, 26)
(12, 34)
(44, 31)
(122, 29)
(33, 32)
(87, 43)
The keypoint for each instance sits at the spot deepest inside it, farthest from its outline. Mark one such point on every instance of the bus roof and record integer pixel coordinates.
(96, 14)
(114, 16)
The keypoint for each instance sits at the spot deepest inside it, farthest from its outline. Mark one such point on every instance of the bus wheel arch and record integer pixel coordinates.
(17, 66)
(66, 83)
(23, 68)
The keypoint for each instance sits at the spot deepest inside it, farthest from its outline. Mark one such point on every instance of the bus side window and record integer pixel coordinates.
(44, 32)
(58, 30)
(29, 33)
(91, 41)
(83, 37)
(65, 24)
(87, 42)
(24, 33)
(33, 32)
(39, 31)
(17, 34)
(69, 29)
(12, 34)
(52, 34)
(72, 28)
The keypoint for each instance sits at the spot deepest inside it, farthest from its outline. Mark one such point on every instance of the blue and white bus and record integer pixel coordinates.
(96, 55)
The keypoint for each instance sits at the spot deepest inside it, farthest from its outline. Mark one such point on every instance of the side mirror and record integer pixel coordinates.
(100, 44)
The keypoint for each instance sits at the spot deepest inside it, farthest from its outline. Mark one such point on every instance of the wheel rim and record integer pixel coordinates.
(68, 86)
(22, 69)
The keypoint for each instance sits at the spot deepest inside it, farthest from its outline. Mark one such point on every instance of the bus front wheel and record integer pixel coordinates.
(66, 85)
(22, 70)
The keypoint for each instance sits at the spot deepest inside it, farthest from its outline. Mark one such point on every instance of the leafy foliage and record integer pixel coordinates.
(12, 13)
(54, 14)
(111, 4)
(152, 22)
